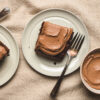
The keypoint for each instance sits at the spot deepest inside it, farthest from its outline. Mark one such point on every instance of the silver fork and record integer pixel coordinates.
(72, 52)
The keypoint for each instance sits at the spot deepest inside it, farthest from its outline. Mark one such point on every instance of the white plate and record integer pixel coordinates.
(60, 17)
(10, 63)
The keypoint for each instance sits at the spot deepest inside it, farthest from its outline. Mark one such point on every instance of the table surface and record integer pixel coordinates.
(30, 85)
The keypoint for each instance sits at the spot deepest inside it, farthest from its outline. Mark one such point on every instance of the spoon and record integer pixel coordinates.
(4, 12)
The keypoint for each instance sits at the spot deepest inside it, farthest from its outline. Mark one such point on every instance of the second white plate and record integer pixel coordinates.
(30, 35)
(9, 65)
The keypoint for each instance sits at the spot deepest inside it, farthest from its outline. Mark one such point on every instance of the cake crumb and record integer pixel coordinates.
(54, 63)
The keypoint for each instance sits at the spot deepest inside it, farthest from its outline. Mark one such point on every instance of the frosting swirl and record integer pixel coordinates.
(91, 70)
(53, 38)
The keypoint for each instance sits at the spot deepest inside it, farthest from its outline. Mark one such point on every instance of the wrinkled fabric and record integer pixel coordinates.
(27, 84)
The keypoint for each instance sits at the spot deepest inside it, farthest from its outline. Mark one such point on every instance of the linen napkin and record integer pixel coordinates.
(27, 84)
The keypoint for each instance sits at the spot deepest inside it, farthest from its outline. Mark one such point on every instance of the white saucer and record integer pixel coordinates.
(60, 17)
(10, 63)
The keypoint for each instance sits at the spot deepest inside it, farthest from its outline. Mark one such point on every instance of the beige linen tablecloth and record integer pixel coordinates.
(28, 84)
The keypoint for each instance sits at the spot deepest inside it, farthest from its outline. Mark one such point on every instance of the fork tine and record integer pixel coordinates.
(77, 42)
(74, 38)
(80, 44)
(74, 41)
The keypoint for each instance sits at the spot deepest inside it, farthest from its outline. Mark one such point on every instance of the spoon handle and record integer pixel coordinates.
(4, 12)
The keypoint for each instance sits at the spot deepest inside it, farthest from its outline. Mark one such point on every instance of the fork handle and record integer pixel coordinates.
(57, 85)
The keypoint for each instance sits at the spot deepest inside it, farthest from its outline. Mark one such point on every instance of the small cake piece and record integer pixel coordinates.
(4, 51)
(53, 40)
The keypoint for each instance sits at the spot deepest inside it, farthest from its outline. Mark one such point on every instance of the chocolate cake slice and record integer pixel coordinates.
(4, 51)
(53, 40)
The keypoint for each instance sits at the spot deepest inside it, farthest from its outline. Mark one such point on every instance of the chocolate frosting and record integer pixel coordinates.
(53, 38)
(4, 51)
(91, 70)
